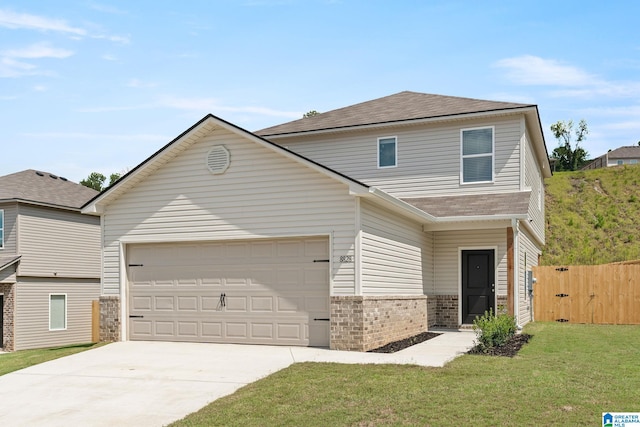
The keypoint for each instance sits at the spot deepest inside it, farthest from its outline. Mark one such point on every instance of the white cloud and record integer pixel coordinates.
(571, 81)
(11, 68)
(533, 70)
(106, 8)
(115, 39)
(39, 88)
(212, 105)
(9, 19)
(109, 57)
(136, 83)
(38, 50)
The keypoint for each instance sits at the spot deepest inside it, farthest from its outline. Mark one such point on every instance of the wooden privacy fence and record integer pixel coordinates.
(602, 294)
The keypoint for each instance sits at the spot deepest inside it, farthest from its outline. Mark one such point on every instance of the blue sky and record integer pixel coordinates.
(101, 85)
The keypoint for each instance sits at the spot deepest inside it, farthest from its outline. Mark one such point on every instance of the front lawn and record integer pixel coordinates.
(10, 362)
(566, 375)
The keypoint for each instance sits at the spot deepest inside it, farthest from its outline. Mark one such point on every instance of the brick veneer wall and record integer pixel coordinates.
(362, 323)
(446, 311)
(109, 318)
(7, 316)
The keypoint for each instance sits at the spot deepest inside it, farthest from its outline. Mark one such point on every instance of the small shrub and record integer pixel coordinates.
(493, 331)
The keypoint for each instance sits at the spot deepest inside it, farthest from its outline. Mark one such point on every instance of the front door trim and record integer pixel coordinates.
(495, 278)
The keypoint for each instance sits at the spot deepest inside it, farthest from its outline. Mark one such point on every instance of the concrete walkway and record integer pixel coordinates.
(138, 383)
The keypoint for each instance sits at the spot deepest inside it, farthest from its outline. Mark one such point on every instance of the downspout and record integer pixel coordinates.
(516, 271)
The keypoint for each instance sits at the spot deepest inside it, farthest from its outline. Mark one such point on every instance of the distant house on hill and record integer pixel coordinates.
(618, 157)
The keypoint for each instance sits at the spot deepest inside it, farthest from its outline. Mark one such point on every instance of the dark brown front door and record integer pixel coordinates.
(478, 283)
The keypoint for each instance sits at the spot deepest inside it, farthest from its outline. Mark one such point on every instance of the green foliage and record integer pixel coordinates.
(96, 180)
(493, 331)
(568, 156)
(592, 216)
(310, 114)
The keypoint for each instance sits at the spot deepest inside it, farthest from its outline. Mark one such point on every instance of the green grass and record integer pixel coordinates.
(592, 216)
(567, 375)
(10, 362)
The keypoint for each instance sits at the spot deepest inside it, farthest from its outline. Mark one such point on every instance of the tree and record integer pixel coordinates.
(310, 114)
(569, 156)
(96, 180)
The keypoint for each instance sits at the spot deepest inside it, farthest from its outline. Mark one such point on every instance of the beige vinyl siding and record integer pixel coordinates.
(428, 161)
(58, 243)
(447, 262)
(32, 312)
(396, 254)
(10, 215)
(533, 179)
(528, 258)
(8, 275)
(261, 195)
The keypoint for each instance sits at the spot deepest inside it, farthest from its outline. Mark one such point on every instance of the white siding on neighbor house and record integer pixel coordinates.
(428, 159)
(10, 214)
(533, 180)
(528, 258)
(447, 261)
(397, 256)
(32, 312)
(58, 243)
(261, 195)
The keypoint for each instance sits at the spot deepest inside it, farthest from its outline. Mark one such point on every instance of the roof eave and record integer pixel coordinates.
(41, 204)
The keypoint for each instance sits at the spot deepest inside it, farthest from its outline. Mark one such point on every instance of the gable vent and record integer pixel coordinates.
(218, 159)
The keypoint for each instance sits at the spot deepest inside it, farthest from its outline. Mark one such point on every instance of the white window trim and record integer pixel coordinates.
(66, 309)
(470, 156)
(2, 229)
(395, 138)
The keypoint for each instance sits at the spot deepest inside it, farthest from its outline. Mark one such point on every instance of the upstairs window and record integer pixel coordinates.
(387, 152)
(476, 149)
(1, 229)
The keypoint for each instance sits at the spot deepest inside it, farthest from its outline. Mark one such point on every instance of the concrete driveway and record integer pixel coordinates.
(154, 383)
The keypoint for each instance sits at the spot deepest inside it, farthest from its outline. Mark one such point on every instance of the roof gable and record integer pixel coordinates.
(186, 140)
(403, 106)
(44, 188)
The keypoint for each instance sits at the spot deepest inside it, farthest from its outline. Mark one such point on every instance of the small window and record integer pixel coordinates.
(633, 161)
(476, 155)
(387, 152)
(57, 312)
(620, 162)
(1, 229)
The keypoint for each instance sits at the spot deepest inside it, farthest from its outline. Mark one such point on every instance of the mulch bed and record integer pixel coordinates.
(392, 347)
(509, 349)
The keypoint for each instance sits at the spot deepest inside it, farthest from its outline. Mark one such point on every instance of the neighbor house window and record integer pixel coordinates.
(57, 312)
(633, 161)
(476, 155)
(620, 162)
(1, 229)
(387, 152)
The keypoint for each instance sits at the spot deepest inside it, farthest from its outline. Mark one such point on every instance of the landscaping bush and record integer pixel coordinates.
(493, 331)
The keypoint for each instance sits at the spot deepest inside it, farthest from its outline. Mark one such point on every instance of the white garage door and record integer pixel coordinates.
(254, 291)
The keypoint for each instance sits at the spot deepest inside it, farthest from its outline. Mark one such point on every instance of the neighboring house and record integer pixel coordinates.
(49, 261)
(618, 157)
(349, 229)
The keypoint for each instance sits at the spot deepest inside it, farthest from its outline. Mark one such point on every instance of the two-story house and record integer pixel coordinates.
(349, 229)
(49, 261)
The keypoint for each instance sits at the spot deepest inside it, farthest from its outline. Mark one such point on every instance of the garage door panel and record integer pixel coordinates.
(273, 291)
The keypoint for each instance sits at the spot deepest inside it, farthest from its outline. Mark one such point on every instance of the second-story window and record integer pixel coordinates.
(1, 229)
(476, 155)
(387, 152)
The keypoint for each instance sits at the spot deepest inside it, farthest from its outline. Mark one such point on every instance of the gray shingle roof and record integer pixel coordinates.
(393, 108)
(474, 205)
(44, 188)
(629, 152)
